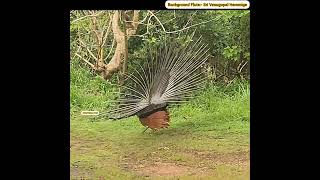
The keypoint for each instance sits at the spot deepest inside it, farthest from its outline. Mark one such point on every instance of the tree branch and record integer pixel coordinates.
(171, 32)
(92, 66)
(83, 17)
(84, 45)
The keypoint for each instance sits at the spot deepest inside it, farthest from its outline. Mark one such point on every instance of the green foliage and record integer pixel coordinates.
(89, 91)
(227, 33)
(232, 53)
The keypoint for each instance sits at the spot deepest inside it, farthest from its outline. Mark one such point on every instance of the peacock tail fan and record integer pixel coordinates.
(168, 77)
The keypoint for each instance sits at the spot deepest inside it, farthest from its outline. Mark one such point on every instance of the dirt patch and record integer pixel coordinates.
(204, 164)
(79, 173)
(168, 169)
(164, 169)
(82, 146)
(241, 158)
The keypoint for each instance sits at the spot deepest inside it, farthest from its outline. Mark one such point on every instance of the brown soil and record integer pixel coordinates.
(202, 167)
(168, 169)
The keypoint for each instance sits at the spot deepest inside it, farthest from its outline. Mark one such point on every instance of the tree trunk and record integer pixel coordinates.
(119, 61)
(125, 51)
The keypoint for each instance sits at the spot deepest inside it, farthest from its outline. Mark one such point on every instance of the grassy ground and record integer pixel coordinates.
(208, 137)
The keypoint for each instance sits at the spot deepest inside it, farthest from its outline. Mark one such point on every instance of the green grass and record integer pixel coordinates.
(208, 137)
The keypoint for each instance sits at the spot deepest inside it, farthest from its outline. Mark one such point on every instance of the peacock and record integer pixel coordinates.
(170, 76)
